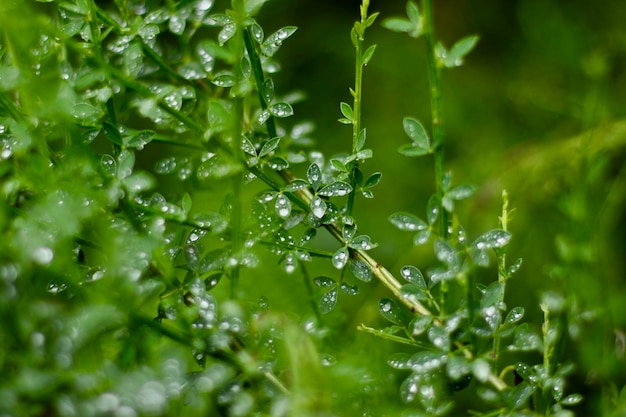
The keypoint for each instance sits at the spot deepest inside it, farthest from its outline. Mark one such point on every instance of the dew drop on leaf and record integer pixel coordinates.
(340, 258)
(328, 301)
(318, 207)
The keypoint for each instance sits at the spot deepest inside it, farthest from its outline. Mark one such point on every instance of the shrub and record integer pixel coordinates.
(153, 176)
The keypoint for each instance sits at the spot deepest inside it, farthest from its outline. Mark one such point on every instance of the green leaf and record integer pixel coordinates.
(572, 399)
(269, 147)
(360, 270)
(282, 205)
(329, 300)
(367, 55)
(362, 242)
(420, 324)
(439, 338)
(413, 293)
(432, 209)
(224, 80)
(341, 257)
(338, 165)
(400, 360)
(141, 139)
(296, 184)
(515, 315)
(493, 295)
(324, 281)
(281, 110)
(347, 112)
(446, 253)
(526, 339)
(407, 221)
(496, 238)
(349, 289)
(257, 31)
(314, 175)
(318, 207)
(461, 192)
(247, 146)
(414, 276)
(398, 24)
(186, 203)
(268, 91)
(112, 132)
(275, 40)
(348, 231)
(412, 12)
(416, 132)
(336, 189)
(360, 141)
(412, 150)
(454, 57)
(278, 164)
(390, 311)
(373, 180)
(421, 237)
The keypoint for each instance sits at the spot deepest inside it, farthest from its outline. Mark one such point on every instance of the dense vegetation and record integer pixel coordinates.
(179, 239)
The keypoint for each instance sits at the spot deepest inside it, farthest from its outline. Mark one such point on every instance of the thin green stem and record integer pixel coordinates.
(502, 275)
(436, 108)
(356, 121)
(309, 289)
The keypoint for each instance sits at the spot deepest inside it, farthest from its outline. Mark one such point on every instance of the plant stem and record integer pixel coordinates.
(502, 276)
(356, 112)
(436, 108)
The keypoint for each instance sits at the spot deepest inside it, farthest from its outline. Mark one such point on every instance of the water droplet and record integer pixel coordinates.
(43, 255)
(192, 71)
(318, 207)
(289, 263)
(340, 258)
(328, 360)
(282, 206)
(166, 166)
(94, 275)
(56, 288)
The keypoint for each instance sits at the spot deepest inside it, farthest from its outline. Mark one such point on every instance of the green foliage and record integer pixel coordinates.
(138, 285)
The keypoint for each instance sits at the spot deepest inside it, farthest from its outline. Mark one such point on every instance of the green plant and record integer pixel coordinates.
(135, 284)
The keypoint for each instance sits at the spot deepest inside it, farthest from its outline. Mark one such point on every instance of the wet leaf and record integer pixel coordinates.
(439, 338)
(314, 175)
(454, 57)
(360, 270)
(400, 360)
(421, 237)
(324, 281)
(496, 238)
(318, 207)
(407, 221)
(368, 54)
(416, 132)
(390, 311)
(282, 206)
(328, 301)
(420, 324)
(413, 275)
(349, 289)
(281, 110)
(340, 257)
(362, 242)
(336, 189)
(515, 315)
(269, 147)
